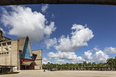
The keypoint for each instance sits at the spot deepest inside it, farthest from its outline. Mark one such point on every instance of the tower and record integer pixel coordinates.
(2, 37)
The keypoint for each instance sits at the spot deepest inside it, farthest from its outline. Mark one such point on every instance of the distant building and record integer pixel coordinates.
(16, 54)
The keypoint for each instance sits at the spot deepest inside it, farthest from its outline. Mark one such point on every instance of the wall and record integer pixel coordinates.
(15, 58)
(38, 59)
(9, 54)
(5, 53)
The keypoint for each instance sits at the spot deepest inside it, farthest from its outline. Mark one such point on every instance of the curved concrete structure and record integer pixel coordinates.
(18, 2)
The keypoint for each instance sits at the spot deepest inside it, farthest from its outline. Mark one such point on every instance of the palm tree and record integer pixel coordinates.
(84, 63)
(93, 64)
(115, 61)
(71, 64)
(76, 64)
(100, 64)
(43, 66)
(80, 64)
(51, 65)
(89, 64)
(67, 65)
(110, 61)
(48, 63)
(104, 64)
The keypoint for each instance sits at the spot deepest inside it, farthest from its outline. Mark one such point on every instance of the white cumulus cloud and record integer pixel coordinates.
(100, 56)
(52, 55)
(88, 55)
(64, 45)
(22, 21)
(78, 60)
(110, 50)
(67, 55)
(50, 42)
(45, 61)
(60, 61)
(79, 37)
(44, 8)
(71, 56)
(95, 49)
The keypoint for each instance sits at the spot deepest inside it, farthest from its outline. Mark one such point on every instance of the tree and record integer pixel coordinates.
(43, 65)
(67, 65)
(110, 61)
(115, 61)
(49, 63)
(84, 63)
(76, 64)
(80, 64)
(100, 64)
(105, 64)
(89, 64)
(93, 64)
(71, 64)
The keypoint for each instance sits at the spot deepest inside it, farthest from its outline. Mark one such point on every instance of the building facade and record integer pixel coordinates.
(17, 53)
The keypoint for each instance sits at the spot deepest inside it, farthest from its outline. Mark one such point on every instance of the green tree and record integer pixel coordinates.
(80, 64)
(93, 64)
(111, 61)
(76, 64)
(84, 63)
(89, 64)
(115, 61)
(100, 64)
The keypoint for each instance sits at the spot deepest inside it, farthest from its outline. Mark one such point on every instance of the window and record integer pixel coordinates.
(7, 52)
(4, 44)
(20, 52)
(9, 43)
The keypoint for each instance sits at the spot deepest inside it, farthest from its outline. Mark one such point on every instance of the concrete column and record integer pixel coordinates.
(2, 70)
(11, 69)
(5, 69)
(1, 47)
(25, 67)
(6, 46)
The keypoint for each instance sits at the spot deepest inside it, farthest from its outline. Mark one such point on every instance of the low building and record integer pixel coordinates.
(16, 54)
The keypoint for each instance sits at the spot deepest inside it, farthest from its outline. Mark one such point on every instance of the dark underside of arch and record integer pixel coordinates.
(19, 2)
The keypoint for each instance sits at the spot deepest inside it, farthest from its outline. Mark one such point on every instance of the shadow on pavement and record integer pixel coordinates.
(9, 73)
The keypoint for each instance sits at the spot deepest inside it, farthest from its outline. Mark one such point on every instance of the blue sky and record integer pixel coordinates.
(65, 33)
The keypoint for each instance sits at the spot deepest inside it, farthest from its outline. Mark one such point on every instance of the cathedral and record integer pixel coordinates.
(16, 54)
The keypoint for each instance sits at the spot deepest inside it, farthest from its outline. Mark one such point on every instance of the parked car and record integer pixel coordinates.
(53, 69)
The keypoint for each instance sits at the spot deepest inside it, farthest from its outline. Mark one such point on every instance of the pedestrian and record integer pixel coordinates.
(44, 70)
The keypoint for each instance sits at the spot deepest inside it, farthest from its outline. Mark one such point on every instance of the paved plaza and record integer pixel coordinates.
(38, 73)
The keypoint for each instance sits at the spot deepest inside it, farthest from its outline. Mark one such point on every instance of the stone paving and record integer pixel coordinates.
(39, 73)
